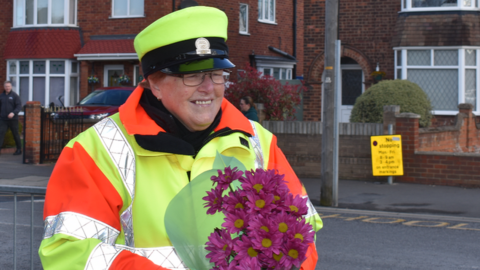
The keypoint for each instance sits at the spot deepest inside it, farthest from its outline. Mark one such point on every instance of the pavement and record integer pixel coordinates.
(365, 195)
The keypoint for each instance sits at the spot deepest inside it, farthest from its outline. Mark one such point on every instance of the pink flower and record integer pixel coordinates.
(223, 180)
(294, 253)
(220, 245)
(214, 201)
(275, 260)
(234, 201)
(260, 181)
(261, 203)
(266, 242)
(284, 222)
(262, 223)
(302, 231)
(296, 206)
(236, 221)
(246, 254)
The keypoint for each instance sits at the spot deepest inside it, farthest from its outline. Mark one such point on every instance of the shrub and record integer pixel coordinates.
(409, 96)
(279, 100)
(8, 140)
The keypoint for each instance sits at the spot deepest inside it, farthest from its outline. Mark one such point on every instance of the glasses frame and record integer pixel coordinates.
(226, 75)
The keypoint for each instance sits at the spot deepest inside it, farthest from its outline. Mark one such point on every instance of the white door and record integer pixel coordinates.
(352, 87)
(111, 74)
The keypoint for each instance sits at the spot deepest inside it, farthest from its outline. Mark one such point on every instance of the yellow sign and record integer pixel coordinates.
(387, 155)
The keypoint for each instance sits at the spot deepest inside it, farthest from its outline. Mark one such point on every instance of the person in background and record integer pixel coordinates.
(108, 194)
(10, 106)
(248, 108)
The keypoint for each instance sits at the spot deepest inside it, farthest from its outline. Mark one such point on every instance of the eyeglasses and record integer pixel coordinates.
(195, 79)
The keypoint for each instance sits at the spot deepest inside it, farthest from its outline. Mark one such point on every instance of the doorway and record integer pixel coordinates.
(111, 75)
(352, 87)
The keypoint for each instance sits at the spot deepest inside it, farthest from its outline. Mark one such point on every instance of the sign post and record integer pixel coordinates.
(387, 157)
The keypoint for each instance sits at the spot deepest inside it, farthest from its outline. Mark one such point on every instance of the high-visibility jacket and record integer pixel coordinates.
(107, 196)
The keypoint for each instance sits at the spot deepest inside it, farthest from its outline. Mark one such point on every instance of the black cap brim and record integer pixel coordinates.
(203, 65)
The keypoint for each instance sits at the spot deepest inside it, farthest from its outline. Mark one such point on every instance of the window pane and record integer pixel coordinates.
(29, 12)
(267, 72)
(24, 90)
(445, 57)
(467, 3)
(441, 86)
(276, 73)
(73, 90)
(434, 3)
(418, 58)
(74, 67)
(58, 9)
(20, 15)
(272, 10)
(282, 75)
(12, 68)
(13, 81)
(351, 86)
(243, 18)
(71, 16)
(42, 11)
(260, 9)
(136, 7)
(120, 8)
(24, 69)
(289, 74)
(399, 73)
(471, 87)
(399, 57)
(38, 67)
(113, 77)
(57, 67)
(470, 57)
(57, 89)
(39, 89)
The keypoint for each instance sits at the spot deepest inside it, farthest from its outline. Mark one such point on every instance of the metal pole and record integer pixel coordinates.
(31, 233)
(390, 132)
(14, 230)
(328, 99)
(336, 134)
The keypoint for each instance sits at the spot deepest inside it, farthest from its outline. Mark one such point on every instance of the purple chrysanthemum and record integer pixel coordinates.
(302, 231)
(220, 245)
(294, 253)
(224, 179)
(261, 203)
(275, 260)
(266, 242)
(214, 201)
(297, 205)
(234, 201)
(259, 222)
(246, 254)
(284, 222)
(259, 181)
(236, 221)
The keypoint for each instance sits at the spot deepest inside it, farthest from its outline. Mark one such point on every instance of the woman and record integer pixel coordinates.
(107, 196)
(248, 108)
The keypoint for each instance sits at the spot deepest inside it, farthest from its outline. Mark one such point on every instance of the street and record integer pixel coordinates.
(350, 239)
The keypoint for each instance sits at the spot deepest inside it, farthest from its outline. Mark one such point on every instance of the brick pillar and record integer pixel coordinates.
(468, 127)
(389, 117)
(407, 126)
(32, 132)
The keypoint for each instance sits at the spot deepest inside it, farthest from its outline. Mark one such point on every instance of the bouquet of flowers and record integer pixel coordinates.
(263, 226)
(93, 79)
(124, 79)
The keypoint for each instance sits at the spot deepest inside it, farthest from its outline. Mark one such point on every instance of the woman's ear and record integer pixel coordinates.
(155, 89)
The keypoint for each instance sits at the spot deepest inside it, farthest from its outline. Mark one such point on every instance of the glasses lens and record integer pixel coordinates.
(218, 77)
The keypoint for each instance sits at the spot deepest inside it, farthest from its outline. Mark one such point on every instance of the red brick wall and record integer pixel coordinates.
(366, 28)
(6, 20)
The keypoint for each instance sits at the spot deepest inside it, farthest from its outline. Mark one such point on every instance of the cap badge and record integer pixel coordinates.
(203, 46)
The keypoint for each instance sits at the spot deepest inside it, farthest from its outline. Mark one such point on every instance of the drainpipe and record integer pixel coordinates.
(294, 71)
(173, 5)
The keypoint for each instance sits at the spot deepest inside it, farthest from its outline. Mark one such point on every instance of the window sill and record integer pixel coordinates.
(244, 34)
(126, 17)
(267, 22)
(45, 26)
(436, 9)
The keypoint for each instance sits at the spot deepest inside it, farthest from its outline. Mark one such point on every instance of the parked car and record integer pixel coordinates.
(97, 105)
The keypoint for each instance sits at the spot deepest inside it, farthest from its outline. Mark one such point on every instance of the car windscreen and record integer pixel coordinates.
(106, 97)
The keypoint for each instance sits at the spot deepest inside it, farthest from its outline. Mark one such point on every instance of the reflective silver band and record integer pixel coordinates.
(103, 255)
(257, 148)
(79, 226)
(311, 209)
(123, 157)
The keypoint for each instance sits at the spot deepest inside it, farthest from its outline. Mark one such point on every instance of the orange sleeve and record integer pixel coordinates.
(278, 161)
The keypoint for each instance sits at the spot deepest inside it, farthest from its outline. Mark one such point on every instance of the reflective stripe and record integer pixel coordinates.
(79, 226)
(257, 148)
(311, 209)
(103, 255)
(123, 157)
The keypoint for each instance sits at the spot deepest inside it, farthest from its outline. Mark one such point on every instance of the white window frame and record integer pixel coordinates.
(264, 17)
(66, 13)
(246, 22)
(401, 66)
(128, 11)
(288, 71)
(408, 6)
(135, 75)
(67, 75)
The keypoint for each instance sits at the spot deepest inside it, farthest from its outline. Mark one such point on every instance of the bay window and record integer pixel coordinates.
(438, 5)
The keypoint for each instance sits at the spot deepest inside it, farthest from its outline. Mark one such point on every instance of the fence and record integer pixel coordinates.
(23, 190)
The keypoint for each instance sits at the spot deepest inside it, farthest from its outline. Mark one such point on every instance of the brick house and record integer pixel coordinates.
(434, 43)
(51, 47)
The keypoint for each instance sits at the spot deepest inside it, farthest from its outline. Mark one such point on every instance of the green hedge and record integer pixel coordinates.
(8, 141)
(409, 96)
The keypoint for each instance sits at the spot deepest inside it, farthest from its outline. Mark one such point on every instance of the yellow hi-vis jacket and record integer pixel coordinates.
(107, 196)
